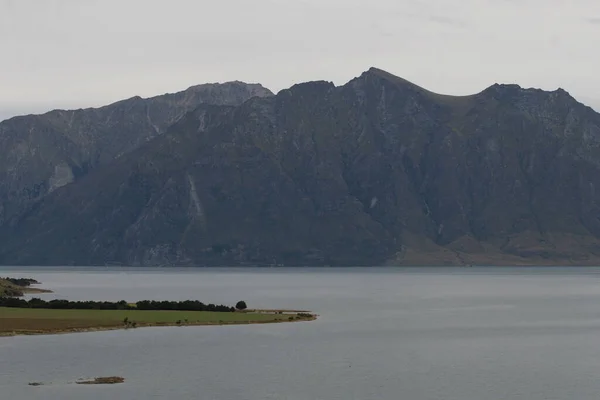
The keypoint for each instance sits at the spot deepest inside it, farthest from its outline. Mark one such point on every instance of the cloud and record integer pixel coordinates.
(454, 47)
(450, 21)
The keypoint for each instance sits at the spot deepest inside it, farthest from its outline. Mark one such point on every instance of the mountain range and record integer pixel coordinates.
(378, 171)
(45, 152)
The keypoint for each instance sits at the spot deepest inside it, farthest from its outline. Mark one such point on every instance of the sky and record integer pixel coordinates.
(85, 53)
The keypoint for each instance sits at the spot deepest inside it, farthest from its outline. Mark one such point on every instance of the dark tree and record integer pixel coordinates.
(241, 305)
(187, 305)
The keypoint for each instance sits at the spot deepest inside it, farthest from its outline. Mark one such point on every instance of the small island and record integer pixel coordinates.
(103, 380)
(38, 317)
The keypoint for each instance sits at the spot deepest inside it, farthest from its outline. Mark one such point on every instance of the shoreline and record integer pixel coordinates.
(66, 331)
(32, 290)
(17, 319)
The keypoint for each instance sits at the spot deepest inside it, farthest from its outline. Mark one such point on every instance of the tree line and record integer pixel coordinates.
(187, 305)
(22, 282)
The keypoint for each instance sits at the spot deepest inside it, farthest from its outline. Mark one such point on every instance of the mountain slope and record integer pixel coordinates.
(45, 152)
(376, 171)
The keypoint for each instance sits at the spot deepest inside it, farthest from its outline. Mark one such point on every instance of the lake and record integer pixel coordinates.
(383, 333)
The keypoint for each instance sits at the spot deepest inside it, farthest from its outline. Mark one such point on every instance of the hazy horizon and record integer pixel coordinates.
(72, 54)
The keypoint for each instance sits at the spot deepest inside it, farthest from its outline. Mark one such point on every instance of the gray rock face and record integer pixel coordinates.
(376, 171)
(45, 152)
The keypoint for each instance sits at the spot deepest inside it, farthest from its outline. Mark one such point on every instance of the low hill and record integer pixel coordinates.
(9, 289)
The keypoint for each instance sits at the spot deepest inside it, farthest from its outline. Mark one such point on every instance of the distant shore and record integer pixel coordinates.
(8, 288)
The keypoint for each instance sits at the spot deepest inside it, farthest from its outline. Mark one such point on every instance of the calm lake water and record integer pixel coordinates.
(414, 334)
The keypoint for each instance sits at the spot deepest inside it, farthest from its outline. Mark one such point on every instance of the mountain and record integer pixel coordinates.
(377, 171)
(45, 152)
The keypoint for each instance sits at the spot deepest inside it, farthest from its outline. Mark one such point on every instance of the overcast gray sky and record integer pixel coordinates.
(80, 53)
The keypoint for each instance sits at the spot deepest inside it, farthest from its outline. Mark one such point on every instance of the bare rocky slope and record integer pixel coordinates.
(44, 152)
(377, 171)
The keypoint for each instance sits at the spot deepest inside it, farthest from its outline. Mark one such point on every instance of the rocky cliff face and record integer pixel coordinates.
(376, 171)
(45, 152)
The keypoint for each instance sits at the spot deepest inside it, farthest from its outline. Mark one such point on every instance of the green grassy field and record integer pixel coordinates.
(39, 321)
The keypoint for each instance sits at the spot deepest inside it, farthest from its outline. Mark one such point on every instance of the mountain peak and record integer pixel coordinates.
(257, 88)
(70, 143)
(507, 91)
(312, 85)
(381, 74)
(406, 85)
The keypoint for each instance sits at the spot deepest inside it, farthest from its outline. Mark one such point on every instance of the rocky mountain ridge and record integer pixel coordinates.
(45, 152)
(377, 171)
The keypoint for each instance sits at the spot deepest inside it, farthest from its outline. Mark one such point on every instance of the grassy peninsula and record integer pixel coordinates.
(37, 316)
(28, 321)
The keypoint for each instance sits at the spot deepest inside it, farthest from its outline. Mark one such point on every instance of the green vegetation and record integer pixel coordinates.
(17, 287)
(187, 305)
(8, 288)
(241, 305)
(23, 282)
(26, 321)
(37, 316)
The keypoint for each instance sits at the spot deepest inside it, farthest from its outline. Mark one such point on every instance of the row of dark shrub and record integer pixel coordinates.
(23, 282)
(188, 305)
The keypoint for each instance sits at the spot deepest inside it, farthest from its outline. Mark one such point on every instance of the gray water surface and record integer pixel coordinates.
(414, 334)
